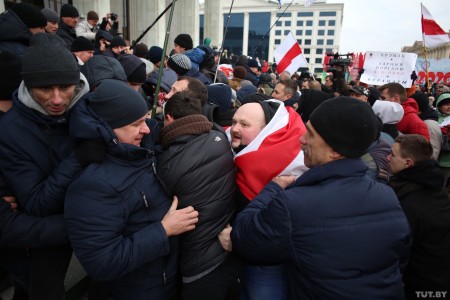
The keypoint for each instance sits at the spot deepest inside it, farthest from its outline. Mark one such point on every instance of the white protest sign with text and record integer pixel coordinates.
(384, 67)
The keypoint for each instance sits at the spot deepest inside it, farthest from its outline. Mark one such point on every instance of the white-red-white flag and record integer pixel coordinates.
(275, 151)
(433, 34)
(289, 56)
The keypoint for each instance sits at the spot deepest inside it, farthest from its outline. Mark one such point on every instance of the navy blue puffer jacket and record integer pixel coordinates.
(113, 214)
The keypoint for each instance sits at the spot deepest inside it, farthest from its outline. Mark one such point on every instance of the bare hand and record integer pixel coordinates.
(225, 239)
(176, 222)
(284, 180)
(11, 200)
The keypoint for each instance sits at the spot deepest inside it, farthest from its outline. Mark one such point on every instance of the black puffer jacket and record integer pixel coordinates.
(67, 34)
(427, 207)
(197, 166)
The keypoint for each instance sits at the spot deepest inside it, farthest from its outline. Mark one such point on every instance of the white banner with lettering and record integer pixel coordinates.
(384, 67)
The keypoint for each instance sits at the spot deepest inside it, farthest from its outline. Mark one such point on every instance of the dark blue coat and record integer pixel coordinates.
(113, 214)
(36, 158)
(341, 234)
(14, 34)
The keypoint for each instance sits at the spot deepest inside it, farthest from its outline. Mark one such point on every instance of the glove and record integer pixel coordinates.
(90, 151)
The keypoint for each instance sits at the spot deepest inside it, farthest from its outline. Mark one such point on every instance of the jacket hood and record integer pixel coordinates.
(410, 106)
(196, 56)
(425, 173)
(102, 67)
(13, 29)
(27, 99)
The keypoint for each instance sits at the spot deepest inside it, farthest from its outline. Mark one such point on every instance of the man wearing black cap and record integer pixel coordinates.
(182, 43)
(82, 49)
(69, 18)
(36, 152)
(120, 222)
(17, 26)
(340, 234)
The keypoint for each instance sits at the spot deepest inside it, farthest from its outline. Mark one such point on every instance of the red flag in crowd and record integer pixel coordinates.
(433, 34)
(289, 56)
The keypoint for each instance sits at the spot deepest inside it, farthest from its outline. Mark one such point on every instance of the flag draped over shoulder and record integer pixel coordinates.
(289, 56)
(433, 34)
(275, 151)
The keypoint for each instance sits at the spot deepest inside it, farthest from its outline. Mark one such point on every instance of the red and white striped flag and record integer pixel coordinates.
(433, 34)
(275, 151)
(289, 56)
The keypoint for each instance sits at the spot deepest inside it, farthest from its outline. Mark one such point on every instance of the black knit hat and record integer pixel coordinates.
(134, 68)
(117, 41)
(252, 63)
(81, 44)
(180, 63)
(47, 62)
(10, 77)
(348, 125)
(220, 94)
(184, 40)
(68, 10)
(30, 15)
(155, 54)
(117, 104)
(50, 15)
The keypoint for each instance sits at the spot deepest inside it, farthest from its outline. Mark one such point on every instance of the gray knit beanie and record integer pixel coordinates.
(117, 103)
(47, 62)
(180, 63)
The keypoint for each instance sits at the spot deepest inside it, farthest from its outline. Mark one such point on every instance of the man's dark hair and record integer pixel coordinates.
(414, 146)
(182, 104)
(393, 89)
(196, 89)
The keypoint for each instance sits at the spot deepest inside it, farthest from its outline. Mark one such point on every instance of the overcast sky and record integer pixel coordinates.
(386, 25)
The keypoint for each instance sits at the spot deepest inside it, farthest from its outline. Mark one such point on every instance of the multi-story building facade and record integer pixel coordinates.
(317, 28)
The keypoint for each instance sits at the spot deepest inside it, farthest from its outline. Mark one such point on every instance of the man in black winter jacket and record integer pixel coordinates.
(197, 166)
(418, 183)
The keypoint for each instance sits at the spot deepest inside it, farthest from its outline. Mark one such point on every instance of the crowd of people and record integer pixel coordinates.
(234, 181)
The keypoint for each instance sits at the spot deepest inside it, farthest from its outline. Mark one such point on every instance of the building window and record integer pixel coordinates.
(305, 14)
(318, 60)
(307, 51)
(299, 32)
(320, 32)
(319, 51)
(307, 60)
(309, 23)
(331, 23)
(277, 32)
(299, 23)
(320, 42)
(329, 42)
(286, 32)
(321, 23)
(307, 42)
(299, 41)
(259, 24)
(279, 23)
(277, 41)
(288, 14)
(236, 34)
(308, 32)
(331, 32)
(287, 23)
(327, 14)
(318, 70)
(328, 50)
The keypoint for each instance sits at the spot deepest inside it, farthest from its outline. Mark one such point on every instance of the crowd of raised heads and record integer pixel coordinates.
(196, 173)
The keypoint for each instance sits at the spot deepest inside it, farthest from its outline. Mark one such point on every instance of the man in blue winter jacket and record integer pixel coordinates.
(340, 234)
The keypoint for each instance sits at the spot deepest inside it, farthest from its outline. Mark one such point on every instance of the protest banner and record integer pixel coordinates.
(384, 67)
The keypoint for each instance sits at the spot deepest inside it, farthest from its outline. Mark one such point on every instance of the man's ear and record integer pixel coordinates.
(168, 119)
(409, 163)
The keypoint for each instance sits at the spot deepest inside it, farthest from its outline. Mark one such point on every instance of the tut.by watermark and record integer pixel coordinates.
(431, 294)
